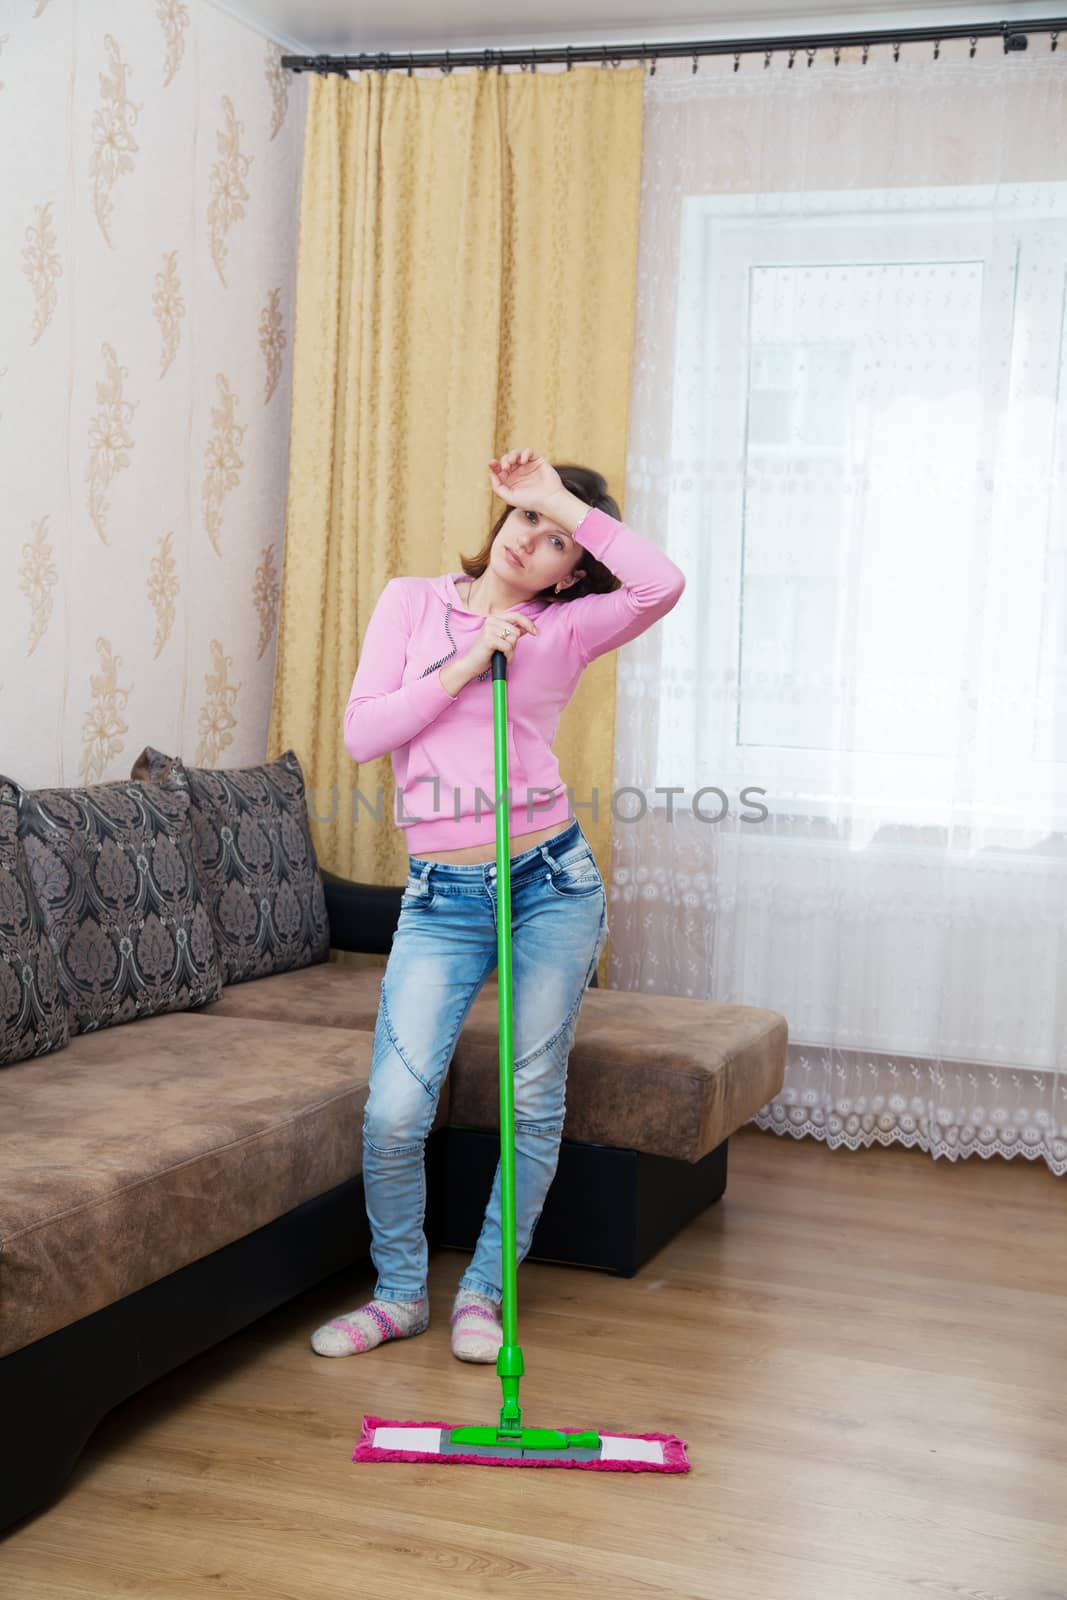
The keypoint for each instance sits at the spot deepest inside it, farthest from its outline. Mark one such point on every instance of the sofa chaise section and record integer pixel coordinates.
(141, 1148)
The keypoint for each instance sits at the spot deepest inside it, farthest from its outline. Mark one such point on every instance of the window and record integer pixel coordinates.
(869, 435)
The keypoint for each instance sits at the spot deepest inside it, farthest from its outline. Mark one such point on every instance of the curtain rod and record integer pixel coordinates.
(1014, 35)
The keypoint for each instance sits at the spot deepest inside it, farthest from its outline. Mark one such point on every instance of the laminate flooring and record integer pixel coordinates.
(866, 1352)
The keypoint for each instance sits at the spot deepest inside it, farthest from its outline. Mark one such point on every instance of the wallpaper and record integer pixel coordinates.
(150, 152)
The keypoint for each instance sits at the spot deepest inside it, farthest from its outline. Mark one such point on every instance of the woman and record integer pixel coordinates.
(560, 580)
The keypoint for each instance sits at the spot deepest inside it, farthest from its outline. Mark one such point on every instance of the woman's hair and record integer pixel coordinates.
(591, 487)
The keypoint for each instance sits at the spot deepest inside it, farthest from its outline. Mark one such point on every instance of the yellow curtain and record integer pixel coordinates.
(466, 285)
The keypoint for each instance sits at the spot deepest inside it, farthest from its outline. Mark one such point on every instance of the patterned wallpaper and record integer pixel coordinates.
(150, 153)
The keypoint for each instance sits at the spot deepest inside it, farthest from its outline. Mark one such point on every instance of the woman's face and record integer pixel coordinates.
(547, 552)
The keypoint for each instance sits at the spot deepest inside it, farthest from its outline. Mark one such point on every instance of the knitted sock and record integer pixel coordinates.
(476, 1331)
(370, 1325)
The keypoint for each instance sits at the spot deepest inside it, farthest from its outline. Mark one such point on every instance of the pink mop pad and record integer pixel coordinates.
(427, 1441)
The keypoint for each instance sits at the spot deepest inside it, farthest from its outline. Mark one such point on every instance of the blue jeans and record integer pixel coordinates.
(444, 949)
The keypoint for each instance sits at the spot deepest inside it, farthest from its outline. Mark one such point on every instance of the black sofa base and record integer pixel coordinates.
(607, 1208)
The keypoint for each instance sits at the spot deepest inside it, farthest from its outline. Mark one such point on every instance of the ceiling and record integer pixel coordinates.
(352, 26)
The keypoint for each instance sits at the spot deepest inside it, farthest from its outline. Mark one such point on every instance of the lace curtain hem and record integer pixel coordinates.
(837, 1127)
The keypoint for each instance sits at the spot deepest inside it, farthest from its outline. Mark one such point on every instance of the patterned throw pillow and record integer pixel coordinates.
(33, 1013)
(256, 861)
(113, 872)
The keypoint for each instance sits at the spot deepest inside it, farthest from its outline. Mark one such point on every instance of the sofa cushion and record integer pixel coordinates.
(648, 1072)
(113, 873)
(256, 861)
(144, 1148)
(651, 1072)
(33, 1013)
(332, 994)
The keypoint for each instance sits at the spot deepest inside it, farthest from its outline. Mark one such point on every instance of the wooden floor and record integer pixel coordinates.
(867, 1353)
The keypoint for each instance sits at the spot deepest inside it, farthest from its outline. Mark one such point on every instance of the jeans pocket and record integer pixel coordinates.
(418, 894)
(576, 875)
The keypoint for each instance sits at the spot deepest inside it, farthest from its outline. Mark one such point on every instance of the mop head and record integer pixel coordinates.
(430, 1441)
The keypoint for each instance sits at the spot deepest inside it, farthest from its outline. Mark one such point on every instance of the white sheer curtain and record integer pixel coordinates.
(849, 427)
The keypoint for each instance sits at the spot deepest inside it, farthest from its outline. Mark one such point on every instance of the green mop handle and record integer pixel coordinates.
(509, 1364)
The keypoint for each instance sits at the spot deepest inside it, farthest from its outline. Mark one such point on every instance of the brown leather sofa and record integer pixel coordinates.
(166, 1182)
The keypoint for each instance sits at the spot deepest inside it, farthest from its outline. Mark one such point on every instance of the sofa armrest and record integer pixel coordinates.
(363, 916)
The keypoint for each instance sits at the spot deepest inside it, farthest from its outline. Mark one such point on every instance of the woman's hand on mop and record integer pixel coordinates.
(523, 478)
(500, 631)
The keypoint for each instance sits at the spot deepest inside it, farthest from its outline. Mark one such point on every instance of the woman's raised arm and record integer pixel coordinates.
(651, 586)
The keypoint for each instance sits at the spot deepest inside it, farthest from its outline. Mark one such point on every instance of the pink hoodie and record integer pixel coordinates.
(442, 746)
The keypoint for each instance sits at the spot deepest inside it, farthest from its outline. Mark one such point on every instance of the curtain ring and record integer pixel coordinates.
(694, 64)
(652, 68)
(487, 60)
(811, 56)
(837, 55)
(792, 57)
(1054, 38)
(410, 63)
(447, 68)
(866, 53)
(896, 49)
(974, 44)
(382, 57)
(737, 59)
(569, 61)
(766, 59)
(937, 49)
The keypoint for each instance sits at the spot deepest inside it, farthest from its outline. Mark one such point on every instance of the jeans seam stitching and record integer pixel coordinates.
(560, 1031)
(393, 1150)
(395, 1042)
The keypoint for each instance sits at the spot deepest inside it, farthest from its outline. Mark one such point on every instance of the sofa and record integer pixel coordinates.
(184, 1062)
